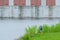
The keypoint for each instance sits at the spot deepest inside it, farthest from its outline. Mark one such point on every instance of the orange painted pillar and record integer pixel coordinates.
(35, 2)
(4, 2)
(20, 2)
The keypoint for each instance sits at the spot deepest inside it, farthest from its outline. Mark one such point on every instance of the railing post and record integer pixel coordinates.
(36, 12)
(21, 11)
(50, 12)
(12, 12)
(32, 12)
(2, 13)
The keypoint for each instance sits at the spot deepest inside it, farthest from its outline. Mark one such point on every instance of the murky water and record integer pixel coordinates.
(11, 29)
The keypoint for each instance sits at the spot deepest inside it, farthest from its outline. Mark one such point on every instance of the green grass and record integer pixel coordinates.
(44, 36)
(48, 33)
(48, 36)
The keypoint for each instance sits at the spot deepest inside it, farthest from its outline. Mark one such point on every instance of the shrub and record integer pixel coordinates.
(57, 27)
(45, 28)
(32, 32)
(52, 28)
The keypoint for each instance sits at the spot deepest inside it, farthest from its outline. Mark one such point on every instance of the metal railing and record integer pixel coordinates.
(28, 12)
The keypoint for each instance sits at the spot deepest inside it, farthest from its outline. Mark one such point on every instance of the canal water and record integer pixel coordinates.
(11, 29)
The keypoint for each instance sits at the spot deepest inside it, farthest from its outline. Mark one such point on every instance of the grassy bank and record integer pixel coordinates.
(48, 33)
